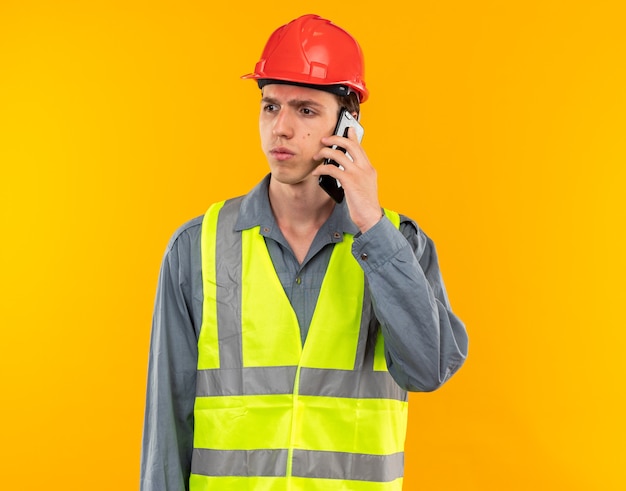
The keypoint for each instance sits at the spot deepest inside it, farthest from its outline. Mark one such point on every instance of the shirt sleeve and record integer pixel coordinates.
(425, 342)
(168, 425)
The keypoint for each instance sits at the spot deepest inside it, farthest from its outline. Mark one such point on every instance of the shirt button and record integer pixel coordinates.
(337, 235)
(298, 280)
(364, 256)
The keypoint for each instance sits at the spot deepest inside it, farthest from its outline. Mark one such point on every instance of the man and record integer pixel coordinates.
(288, 328)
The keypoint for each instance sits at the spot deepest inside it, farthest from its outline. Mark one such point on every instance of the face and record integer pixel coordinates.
(292, 122)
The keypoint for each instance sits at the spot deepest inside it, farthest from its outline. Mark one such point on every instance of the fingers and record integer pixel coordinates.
(357, 176)
(351, 144)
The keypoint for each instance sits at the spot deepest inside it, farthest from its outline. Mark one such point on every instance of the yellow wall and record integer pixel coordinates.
(498, 125)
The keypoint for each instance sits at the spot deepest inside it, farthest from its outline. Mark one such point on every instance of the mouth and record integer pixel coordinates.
(281, 153)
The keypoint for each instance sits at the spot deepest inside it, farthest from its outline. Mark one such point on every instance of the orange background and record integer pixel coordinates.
(499, 126)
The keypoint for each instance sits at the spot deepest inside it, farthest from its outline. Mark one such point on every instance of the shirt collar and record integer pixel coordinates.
(256, 211)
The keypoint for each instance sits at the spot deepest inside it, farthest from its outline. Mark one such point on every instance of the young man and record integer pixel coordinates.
(288, 327)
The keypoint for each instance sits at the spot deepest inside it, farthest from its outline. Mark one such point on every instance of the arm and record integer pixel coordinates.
(168, 425)
(425, 342)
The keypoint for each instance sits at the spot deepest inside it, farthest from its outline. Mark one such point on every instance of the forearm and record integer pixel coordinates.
(168, 434)
(168, 426)
(425, 342)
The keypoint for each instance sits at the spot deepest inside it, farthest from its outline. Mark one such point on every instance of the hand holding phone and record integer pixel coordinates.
(329, 184)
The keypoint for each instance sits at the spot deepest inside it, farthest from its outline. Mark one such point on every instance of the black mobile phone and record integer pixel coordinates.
(329, 184)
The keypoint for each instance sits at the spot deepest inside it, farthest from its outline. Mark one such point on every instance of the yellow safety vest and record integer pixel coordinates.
(271, 414)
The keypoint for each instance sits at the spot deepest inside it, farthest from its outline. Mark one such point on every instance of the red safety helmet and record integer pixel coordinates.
(312, 51)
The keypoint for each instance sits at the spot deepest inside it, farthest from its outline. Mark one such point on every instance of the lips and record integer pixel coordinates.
(281, 153)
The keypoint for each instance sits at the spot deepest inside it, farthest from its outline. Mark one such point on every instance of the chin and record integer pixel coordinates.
(291, 179)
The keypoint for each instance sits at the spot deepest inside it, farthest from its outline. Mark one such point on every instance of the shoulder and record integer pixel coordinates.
(408, 224)
(418, 239)
(187, 233)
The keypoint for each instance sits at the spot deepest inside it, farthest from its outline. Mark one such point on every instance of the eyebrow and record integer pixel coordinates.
(294, 102)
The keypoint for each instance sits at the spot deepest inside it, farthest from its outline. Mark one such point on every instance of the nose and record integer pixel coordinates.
(283, 126)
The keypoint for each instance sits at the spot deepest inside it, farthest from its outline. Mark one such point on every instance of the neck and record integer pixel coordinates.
(299, 205)
(300, 211)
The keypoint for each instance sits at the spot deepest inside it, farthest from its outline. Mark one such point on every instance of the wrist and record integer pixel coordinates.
(372, 220)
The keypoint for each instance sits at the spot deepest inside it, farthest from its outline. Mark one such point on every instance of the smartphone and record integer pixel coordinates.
(329, 184)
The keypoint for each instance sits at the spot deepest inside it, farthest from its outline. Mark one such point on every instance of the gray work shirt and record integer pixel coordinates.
(425, 343)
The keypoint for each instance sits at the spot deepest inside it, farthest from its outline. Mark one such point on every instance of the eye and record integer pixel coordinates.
(270, 108)
(307, 111)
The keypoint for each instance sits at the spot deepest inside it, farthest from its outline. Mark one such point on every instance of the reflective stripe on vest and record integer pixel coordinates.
(271, 414)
